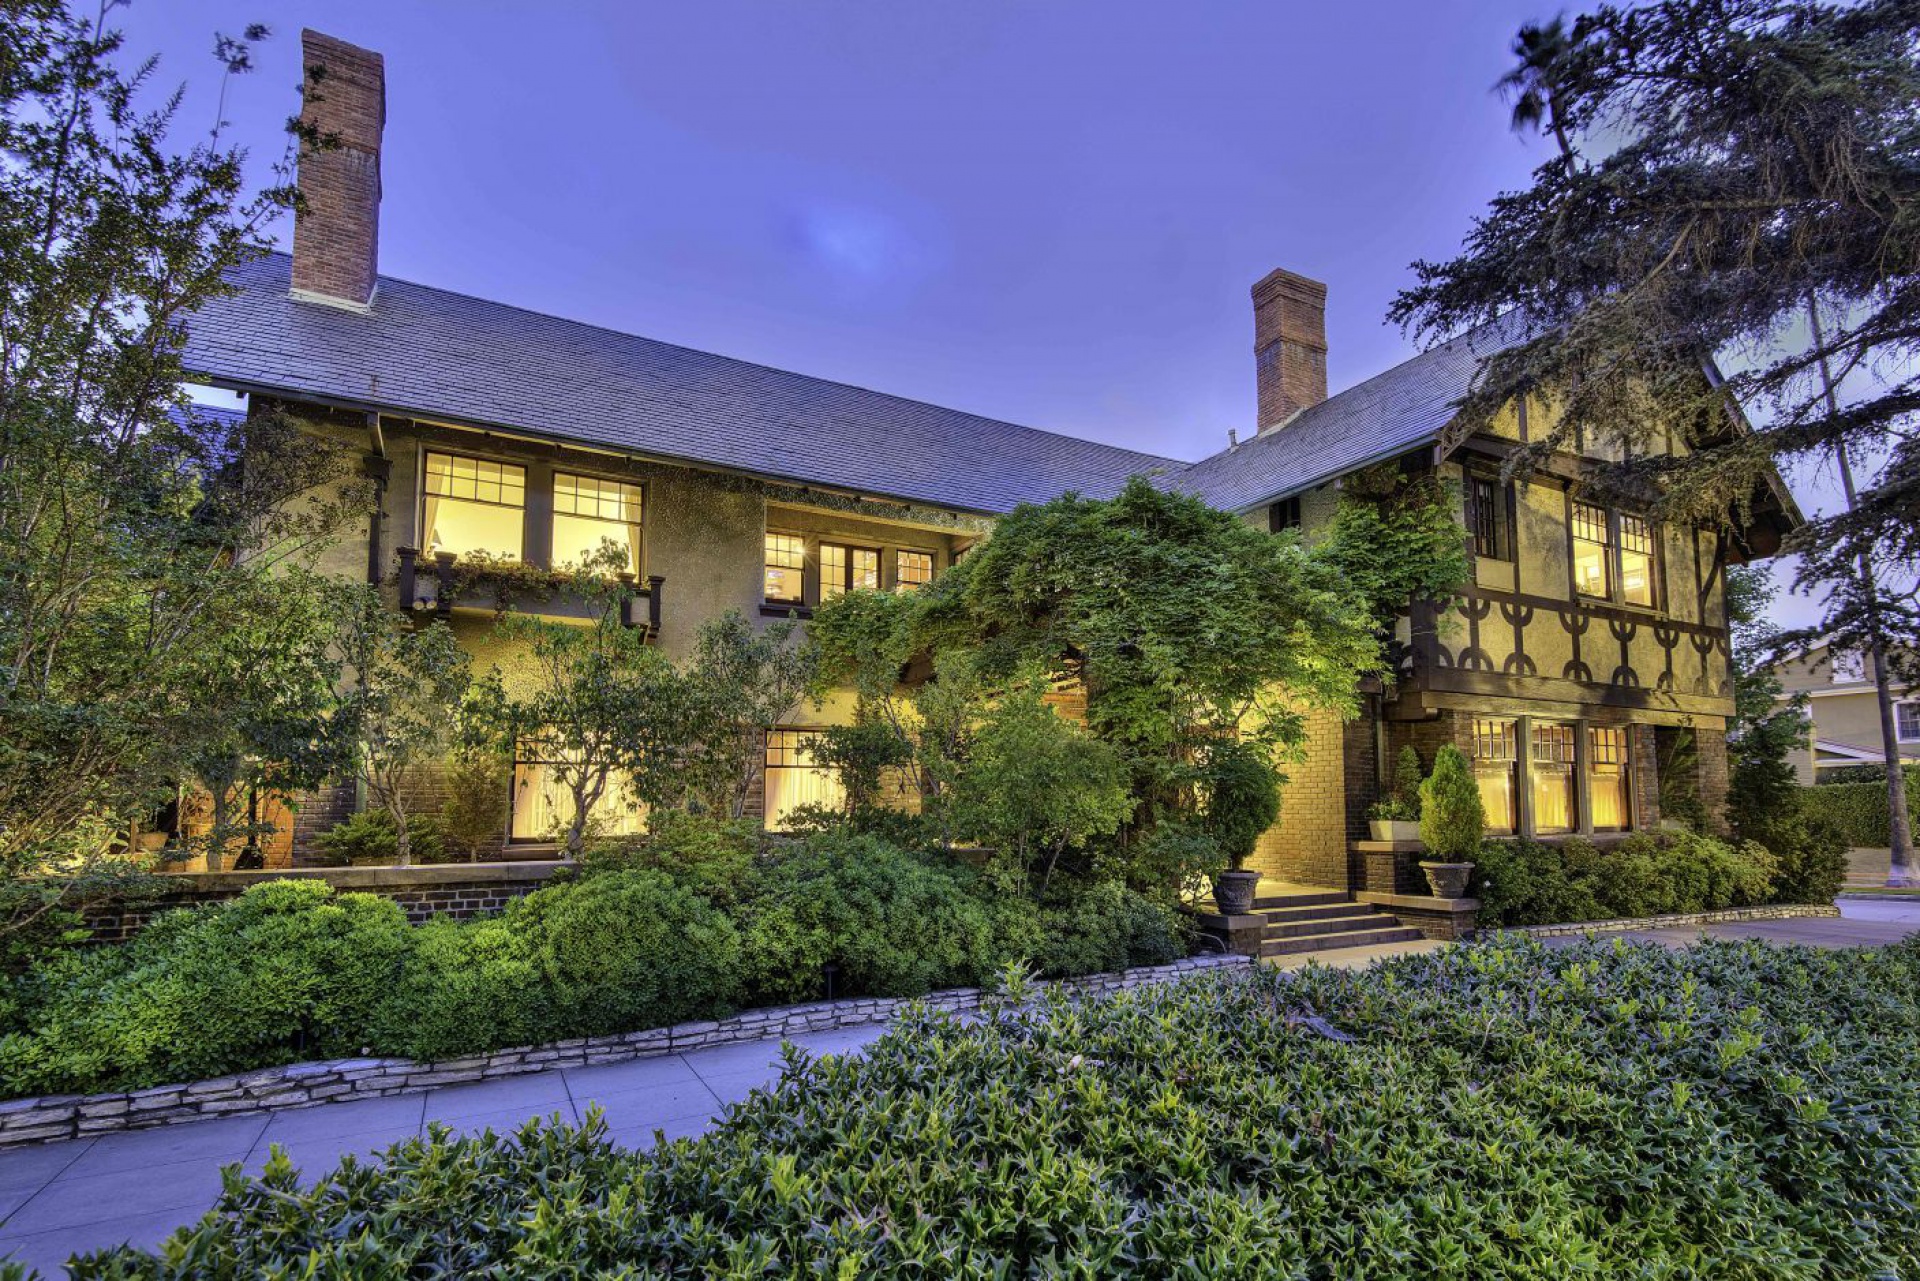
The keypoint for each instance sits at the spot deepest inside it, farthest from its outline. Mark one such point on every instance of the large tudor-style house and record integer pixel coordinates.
(1591, 637)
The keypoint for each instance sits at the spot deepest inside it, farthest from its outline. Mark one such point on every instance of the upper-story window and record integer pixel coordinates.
(1487, 518)
(589, 513)
(786, 569)
(1592, 551)
(912, 570)
(474, 505)
(1284, 514)
(1613, 555)
(844, 569)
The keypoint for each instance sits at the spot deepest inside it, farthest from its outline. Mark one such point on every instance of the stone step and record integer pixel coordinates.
(1331, 925)
(1324, 912)
(1269, 902)
(1335, 942)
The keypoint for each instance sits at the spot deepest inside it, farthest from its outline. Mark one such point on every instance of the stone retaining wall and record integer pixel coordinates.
(453, 889)
(297, 1085)
(1774, 912)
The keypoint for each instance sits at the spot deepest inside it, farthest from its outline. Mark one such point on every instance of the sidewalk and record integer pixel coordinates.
(61, 1198)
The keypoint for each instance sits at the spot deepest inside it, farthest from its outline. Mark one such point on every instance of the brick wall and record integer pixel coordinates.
(1309, 843)
(460, 890)
(336, 233)
(1712, 746)
(1644, 784)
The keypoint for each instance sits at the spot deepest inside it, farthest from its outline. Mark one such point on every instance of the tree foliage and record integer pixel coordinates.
(145, 547)
(750, 680)
(1396, 539)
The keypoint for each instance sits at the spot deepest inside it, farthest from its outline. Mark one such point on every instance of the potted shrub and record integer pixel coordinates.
(1452, 822)
(1243, 800)
(1396, 816)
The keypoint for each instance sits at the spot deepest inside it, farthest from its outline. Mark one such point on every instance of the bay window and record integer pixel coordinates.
(1550, 766)
(474, 505)
(589, 514)
(1492, 750)
(794, 777)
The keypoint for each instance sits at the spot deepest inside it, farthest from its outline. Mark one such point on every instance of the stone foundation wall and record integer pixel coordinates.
(297, 1085)
(1774, 912)
(451, 889)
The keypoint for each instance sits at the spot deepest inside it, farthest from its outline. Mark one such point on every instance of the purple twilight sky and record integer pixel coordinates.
(1049, 211)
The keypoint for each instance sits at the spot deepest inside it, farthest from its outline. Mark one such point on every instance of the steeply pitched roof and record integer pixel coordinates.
(1380, 418)
(434, 354)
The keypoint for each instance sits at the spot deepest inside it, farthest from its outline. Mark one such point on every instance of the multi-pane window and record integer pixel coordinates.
(912, 570)
(1636, 560)
(591, 514)
(474, 505)
(1592, 551)
(1607, 778)
(786, 568)
(845, 569)
(1907, 720)
(1284, 514)
(794, 777)
(1550, 766)
(543, 804)
(1487, 515)
(1493, 750)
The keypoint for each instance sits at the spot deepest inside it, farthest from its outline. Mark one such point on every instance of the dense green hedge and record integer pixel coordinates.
(291, 971)
(1859, 810)
(1502, 1111)
(1524, 882)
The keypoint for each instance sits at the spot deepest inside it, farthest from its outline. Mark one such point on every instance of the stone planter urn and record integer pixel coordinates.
(1447, 880)
(1394, 829)
(1233, 892)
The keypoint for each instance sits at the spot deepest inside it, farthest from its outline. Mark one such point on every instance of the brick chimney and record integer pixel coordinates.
(336, 236)
(1289, 345)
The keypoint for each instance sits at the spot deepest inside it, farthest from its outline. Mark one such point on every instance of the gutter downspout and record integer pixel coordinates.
(378, 469)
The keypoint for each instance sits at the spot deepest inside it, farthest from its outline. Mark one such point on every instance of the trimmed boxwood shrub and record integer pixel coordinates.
(287, 971)
(1493, 1112)
(894, 922)
(1860, 810)
(1524, 882)
(468, 987)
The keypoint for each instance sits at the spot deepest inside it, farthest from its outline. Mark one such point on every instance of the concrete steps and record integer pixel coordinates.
(1313, 922)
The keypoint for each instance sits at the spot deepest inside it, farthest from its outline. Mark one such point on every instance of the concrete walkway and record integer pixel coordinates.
(1861, 923)
(63, 1198)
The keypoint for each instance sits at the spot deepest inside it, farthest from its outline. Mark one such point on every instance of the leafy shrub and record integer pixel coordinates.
(628, 950)
(713, 857)
(1810, 853)
(289, 970)
(1452, 819)
(894, 922)
(1170, 862)
(1859, 810)
(1105, 926)
(468, 986)
(1401, 804)
(1524, 882)
(1504, 1112)
(1243, 798)
(368, 837)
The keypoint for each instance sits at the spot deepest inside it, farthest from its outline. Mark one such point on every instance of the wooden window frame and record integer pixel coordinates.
(639, 527)
(524, 506)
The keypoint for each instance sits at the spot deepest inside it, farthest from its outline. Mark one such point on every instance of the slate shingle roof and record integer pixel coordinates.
(431, 353)
(435, 354)
(1380, 418)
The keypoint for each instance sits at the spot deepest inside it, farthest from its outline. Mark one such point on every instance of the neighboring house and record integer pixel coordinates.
(1845, 713)
(1588, 636)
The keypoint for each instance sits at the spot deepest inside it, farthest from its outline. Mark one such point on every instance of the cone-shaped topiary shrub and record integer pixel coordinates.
(1452, 820)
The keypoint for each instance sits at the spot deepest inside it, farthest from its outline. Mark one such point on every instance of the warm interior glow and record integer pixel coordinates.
(1591, 546)
(1636, 561)
(1551, 769)
(1607, 778)
(844, 569)
(786, 567)
(543, 806)
(793, 779)
(1493, 752)
(913, 570)
(473, 505)
(588, 514)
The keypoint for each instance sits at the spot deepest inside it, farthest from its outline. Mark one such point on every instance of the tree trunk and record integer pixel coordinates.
(402, 845)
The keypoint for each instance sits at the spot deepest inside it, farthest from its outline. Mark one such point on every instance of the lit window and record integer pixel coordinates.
(846, 569)
(588, 514)
(1607, 778)
(912, 570)
(1636, 561)
(794, 778)
(1494, 755)
(1592, 551)
(474, 505)
(786, 568)
(543, 805)
(1907, 719)
(1551, 768)
(1487, 513)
